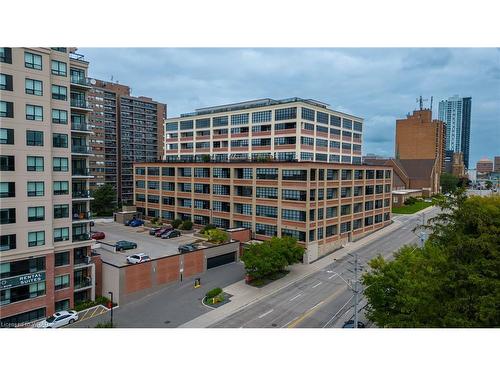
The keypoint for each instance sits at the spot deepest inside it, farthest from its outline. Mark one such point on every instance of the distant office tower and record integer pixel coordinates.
(497, 164)
(484, 165)
(456, 113)
(127, 129)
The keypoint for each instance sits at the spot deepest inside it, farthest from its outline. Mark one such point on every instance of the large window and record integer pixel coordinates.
(59, 116)
(7, 163)
(59, 68)
(267, 173)
(34, 112)
(7, 242)
(266, 211)
(267, 192)
(221, 173)
(7, 216)
(307, 114)
(220, 121)
(36, 213)
(5, 82)
(61, 282)
(61, 211)
(239, 119)
(7, 189)
(322, 117)
(6, 55)
(295, 174)
(266, 230)
(61, 187)
(6, 136)
(297, 234)
(59, 92)
(34, 138)
(60, 164)
(60, 140)
(32, 61)
(285, 114)
(61, 305)
(6, 109)
(294, 195)
(61, 234)
(293, 215)
(33, 87)
(262, 116)
(36, 238)
(34, 163)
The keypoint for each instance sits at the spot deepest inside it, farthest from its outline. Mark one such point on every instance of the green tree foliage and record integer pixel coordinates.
(271, 256)
(449, 183)
(216, 236)
(104, 200)
(176, 223)
(187, 225)
(453, 281)
(488, 184)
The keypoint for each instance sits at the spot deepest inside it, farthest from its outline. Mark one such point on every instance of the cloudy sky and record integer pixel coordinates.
(380, 85)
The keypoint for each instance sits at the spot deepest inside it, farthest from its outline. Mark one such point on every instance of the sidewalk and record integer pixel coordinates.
(244, 295)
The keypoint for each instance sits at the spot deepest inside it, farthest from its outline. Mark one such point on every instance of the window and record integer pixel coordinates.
(59, 68)
(61, 211)
(244, 209)
(221, 173)
(266, 230)
(7, 163)
(293, 215)
(219, 206)
(34, 112)
(346, 174)
(267, 192)
(34, 138)
(295, 174)
(6, 136)
(266, 211)
(59, 92)
(7, 189)
(59, 116)
(36, 189)
(36, 238)
(36, 213)
(61, 187)
(322, 118)
(368, 205)
(345, 192)
(61, 305)
(7, 216)
(61, 282)
(34, 163)
(7, 242)
(153, 171)
(357, 207)
(32, 61)
(267, 173)
(239, 119)
(263, 116)
(5, 82)
(60, 164)
(320, 233)
(167, 171)
(345, 209)
(346, 123)
(6, 55)
(6, 109)
(298, 235)
(285, 114)
(220, 121)
(358, 126)
(331, 230)
(185, 125)
(294, 195)
(33, 87)
(140, 171)
(60, 140)
(369, 190)
(221, 189)
(307, 114)
(331, 212)
(61, 234)
(154, 199)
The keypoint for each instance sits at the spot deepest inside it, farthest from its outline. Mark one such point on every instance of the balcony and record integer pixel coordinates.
(81, 127)
(80, 81)
(81, 104)
(81, 172)
(82, 216)
(81, 149)
(85, 282)
(81, 237)
(81, 194)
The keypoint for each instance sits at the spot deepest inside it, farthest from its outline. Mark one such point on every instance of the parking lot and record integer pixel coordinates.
(153, 246)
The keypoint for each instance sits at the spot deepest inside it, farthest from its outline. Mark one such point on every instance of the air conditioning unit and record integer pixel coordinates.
(87, 259)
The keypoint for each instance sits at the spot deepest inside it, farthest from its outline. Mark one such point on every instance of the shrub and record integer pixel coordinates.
(411, 200)
(206, 228)
(176, 223)
(104, 325)
(217, 236)
(187, 225)
(213, 293)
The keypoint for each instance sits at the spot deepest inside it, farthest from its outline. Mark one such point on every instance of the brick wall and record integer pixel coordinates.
(138, 277)
(167, 269)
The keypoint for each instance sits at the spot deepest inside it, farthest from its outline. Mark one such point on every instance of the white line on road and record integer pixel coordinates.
(314, 286)
(286, 324)
(333, 317)
(335, 274)
(297, 296)
(266, 313)
(316, 305)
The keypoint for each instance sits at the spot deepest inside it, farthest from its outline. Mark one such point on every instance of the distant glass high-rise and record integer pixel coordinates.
(455, 112)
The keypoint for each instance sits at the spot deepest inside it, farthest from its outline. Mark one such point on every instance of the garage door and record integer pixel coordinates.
(219, 260)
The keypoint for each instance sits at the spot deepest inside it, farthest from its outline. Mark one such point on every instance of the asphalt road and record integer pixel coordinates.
(323, 299)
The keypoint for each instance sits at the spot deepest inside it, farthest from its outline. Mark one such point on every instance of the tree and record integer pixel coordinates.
(488, 184)
(216, 236)
(449, 183)
(104, 200)
(453, 281)
(272, 256)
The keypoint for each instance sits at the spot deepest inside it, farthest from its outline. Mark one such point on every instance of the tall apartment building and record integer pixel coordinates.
(288, 129)
(46, 262)
(456, 113)
(420, 137)
(497, 164)
(323, 205)
(127, 129)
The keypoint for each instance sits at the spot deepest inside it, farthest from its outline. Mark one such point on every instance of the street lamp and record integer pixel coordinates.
(111, 294)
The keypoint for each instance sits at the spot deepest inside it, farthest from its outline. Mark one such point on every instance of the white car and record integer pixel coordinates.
(59, 319)
(138, 258)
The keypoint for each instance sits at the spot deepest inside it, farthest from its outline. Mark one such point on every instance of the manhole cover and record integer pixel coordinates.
(166, 321)
(274, 325)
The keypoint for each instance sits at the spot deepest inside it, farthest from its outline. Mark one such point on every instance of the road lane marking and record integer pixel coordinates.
(318, 284)
(266, 313)
(297, 296)
(332, 276)
(284, 325)
(333, 317)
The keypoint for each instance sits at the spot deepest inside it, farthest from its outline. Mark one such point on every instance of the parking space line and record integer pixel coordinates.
(266, 313)
(318, 284)
(297, 296)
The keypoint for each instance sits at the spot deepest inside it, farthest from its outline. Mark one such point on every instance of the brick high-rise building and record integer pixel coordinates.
(127, 129)
(484, 166)
(46, 260)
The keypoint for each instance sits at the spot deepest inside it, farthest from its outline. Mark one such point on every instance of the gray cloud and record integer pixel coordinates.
(379, 85)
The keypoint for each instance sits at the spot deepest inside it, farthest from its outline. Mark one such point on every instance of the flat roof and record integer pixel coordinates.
(406, 191)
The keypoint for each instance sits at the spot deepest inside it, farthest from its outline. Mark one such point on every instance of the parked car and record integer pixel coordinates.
(59, 319)
(350, 324)
(153, 231)
(187, 248)
(136, 223)
(162, 231)
(138, 258)
(98, 235)
(125, 245)
(171, 234)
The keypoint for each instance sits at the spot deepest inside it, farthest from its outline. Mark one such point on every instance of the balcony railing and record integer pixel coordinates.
(84, 127)
(81, 193)
(86, 215)
(81, 172)
(77, 80)
(81, 237)
(80, 149)
(83, 283)
(79, 103)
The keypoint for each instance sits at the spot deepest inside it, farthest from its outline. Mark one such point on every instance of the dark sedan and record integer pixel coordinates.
(350, 324)
(187, 248)
(171, 234)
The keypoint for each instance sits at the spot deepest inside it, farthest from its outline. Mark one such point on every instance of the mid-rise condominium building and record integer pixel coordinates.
(288, 129)
(46, 262)
(456, 113)
(127, 129)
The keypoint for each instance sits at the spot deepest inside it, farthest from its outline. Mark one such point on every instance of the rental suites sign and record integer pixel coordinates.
(31, 278)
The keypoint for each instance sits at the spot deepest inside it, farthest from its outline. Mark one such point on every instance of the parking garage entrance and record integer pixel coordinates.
(220, 260)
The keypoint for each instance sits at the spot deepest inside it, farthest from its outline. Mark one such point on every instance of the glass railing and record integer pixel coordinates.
(86, 215)
(80, 103)
(81, 193)
(78, 80)
(81, 237)
(83, 283)
(80, 149)
(80, 172)
(81, 126)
